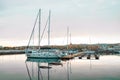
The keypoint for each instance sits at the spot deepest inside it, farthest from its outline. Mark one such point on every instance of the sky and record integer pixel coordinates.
(89, 21)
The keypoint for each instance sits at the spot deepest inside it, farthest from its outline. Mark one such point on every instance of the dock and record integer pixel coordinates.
(71, 56)
(89, 56)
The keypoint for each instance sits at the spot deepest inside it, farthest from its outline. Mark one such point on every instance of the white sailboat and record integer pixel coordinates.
(47, 53)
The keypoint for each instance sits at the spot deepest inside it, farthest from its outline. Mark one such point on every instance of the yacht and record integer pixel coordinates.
(46, 53)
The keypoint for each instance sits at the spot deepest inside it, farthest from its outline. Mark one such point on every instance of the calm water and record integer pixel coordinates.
(18, 67)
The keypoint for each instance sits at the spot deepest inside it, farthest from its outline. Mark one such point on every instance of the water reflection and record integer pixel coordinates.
(43, 68)
(107, 67)
(17, 67)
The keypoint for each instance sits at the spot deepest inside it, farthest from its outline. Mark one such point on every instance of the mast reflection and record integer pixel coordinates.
(40, 64)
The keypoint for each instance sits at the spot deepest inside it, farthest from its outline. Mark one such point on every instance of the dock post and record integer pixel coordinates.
(89, 56)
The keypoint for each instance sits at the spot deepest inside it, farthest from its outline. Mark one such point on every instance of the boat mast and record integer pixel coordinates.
(67, 36)
(49, 28)
(39, 29)
(70, 39)
(49, 37)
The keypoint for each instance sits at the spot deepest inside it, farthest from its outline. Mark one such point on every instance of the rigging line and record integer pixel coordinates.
(33, 41)
(70, 67)
(33, 30)
(32, 70)
(68, 75)
(48, 73)
(44, 29)
(28, 71)
(41, 74)
(38, 71)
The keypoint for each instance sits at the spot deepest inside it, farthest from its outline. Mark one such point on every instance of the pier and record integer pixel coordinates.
(71, 56)
(81, 55)
(89, 56)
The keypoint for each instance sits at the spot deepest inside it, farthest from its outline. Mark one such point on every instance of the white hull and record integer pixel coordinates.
(45, 54)
(39, 55)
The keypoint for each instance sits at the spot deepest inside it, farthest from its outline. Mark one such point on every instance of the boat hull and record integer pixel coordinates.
(43, 55)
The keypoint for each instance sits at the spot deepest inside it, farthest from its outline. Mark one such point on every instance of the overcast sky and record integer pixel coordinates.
(95, 20)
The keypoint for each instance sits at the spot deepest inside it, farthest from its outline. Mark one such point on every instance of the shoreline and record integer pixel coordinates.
(10, 52)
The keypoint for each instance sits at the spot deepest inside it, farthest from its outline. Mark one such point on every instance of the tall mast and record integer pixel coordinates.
(67, 36)
(39, 28)
(70, 38)
(49, 28)
(49, 37)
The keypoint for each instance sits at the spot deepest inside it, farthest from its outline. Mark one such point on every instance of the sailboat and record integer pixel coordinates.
(47, 53)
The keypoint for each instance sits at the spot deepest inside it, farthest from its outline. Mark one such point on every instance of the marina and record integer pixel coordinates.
(59, 40)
